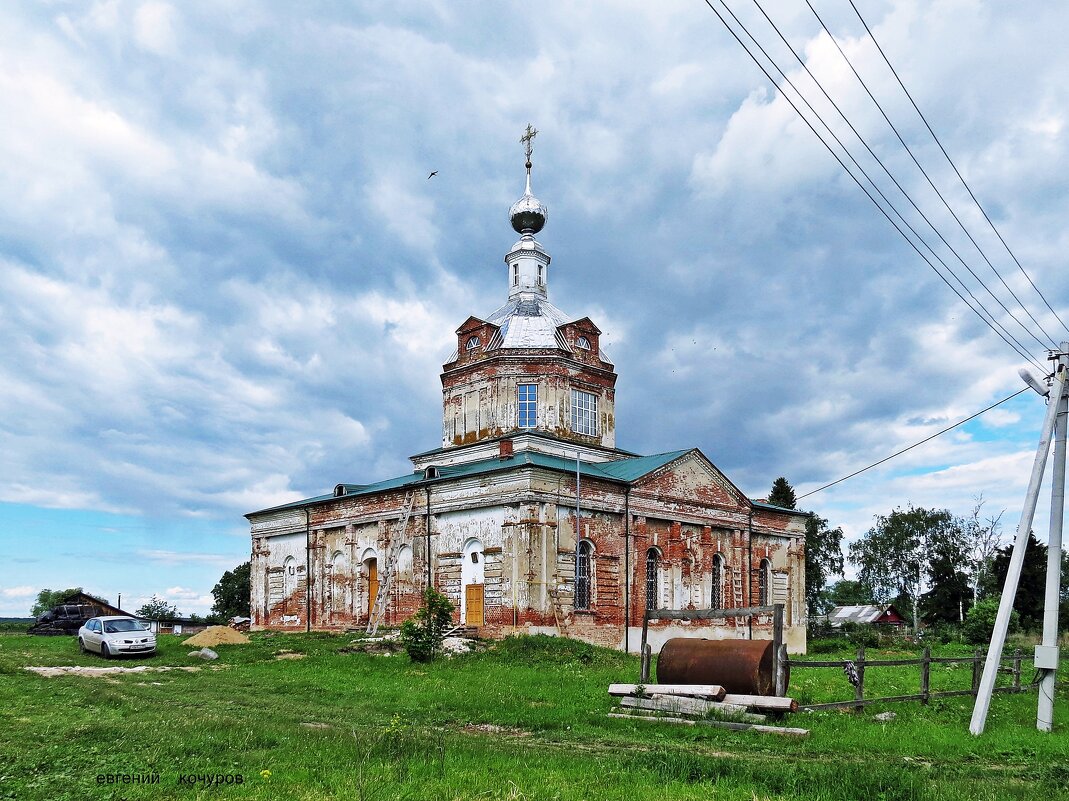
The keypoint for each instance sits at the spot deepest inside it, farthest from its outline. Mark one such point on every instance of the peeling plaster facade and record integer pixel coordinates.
(528, 412)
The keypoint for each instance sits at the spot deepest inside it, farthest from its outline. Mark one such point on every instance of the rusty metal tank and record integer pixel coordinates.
(743, 667)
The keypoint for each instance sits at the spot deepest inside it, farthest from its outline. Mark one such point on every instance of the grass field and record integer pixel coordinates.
(525, 719)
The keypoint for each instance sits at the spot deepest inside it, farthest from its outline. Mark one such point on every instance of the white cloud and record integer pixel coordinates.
(154, 28)
(186, 558)
(224, 265)
(18, 592)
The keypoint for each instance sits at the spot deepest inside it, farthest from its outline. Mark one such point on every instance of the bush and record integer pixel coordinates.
(861, 635)
(980, 622)
(942, 633)
(422, 634)
(819, 629)
(826, 646)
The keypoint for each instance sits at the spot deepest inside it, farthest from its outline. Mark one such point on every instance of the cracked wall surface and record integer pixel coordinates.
(315, 567)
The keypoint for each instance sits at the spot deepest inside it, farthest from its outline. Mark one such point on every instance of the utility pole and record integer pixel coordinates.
(1046, 659)
(1044, 653)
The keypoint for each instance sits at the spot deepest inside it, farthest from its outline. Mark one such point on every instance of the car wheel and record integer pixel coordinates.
(104, 652)
(81, 645)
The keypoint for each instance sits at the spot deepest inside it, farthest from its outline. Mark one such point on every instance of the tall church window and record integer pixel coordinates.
(584, 413)
(716, 597)
(527, 398)
(653, 586)
(584, 575)
(515, 274)
(541, 275)
(764, 583)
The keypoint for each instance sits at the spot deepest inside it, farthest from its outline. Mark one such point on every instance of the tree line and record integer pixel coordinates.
(231, 596)
(932, 565)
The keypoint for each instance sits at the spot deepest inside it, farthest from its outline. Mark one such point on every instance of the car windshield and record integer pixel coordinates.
(129, 624)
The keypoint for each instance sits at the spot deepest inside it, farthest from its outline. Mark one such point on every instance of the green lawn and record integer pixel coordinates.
(526, 719)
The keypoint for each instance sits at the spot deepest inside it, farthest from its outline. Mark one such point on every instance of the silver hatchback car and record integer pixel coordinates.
(115, 635)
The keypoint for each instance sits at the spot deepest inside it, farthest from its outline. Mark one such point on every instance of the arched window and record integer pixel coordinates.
(764, 583)
(404, 563)
(716, 596)
(473, 343)
(653, 585)
(584, 575)
(289, 568)
(583, 343)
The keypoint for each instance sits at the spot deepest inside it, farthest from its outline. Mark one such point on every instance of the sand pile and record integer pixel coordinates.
(217, 635)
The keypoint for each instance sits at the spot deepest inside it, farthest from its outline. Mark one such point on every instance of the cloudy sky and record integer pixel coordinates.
(226, 281)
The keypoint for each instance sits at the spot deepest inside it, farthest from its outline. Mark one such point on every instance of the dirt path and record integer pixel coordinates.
(97, 672)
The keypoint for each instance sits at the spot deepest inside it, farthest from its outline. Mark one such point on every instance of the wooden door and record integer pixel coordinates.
(473, 604)
(372, 583)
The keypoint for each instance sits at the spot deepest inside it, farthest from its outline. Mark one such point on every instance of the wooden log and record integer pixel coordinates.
(712, 692)
(679, 705)
(764, 703)
(926, 666)
(784, 731)
(781, 669)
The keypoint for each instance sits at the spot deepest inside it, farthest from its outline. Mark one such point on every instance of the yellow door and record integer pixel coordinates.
(372, 583)
(473, 604)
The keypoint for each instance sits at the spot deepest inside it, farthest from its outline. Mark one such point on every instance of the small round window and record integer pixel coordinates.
(474, 342)
(583, 343)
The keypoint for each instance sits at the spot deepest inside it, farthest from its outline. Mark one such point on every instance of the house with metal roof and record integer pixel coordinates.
(528, 516)
(867, 614)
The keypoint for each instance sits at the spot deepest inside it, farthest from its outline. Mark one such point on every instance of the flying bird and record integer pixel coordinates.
(432, 175)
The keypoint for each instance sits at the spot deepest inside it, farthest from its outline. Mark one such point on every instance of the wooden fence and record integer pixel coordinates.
(860, 665)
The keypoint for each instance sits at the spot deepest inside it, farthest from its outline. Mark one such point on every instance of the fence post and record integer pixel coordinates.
(976, 672)
(647, 655)
(859, 691)
(781, 671)
(642, 648)
(1016, 670)
(926, 670)
(777, 642)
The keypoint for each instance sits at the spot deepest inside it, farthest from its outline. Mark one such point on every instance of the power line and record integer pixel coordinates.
(894, 180)
(931, 183)
(960, 177)
(914, 445)
(1018, 347)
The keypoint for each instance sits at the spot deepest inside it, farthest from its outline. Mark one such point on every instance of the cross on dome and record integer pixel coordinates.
(528, 214)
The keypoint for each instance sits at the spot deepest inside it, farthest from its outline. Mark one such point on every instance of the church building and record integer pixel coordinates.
(528, 517)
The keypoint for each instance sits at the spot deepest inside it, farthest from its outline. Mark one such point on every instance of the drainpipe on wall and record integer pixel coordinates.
(307, 571)
(749, 569)
(627, 567)
(578, 535)
(428, 491)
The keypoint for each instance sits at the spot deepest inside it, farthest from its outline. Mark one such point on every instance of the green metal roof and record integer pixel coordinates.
(527, 432)
(774, 508)
(621, 471)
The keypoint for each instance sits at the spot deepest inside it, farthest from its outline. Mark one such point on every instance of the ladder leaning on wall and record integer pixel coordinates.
(389, 567)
